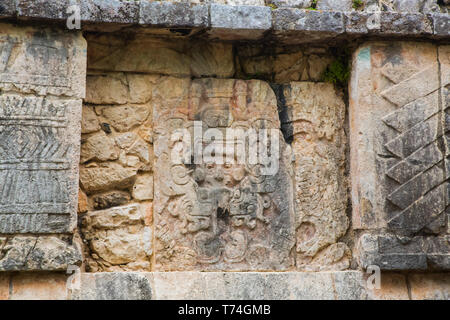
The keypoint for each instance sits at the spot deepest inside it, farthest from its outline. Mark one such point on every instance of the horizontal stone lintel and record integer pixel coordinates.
(332, 285)
(231, 22)
(348, 285)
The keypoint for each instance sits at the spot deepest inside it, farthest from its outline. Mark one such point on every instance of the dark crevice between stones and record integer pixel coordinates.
(286, 124)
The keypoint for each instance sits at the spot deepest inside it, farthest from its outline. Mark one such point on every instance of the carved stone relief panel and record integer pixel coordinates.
(212, 214)
(398, 114)
(42, 81)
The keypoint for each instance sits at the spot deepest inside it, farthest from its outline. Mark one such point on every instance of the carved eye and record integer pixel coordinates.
(237, 194)
(251, 208)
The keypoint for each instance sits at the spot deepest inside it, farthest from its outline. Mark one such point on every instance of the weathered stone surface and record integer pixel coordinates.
(213, 216)
(7, 8)
(143, 187)
(335, 5)
(430, 286)
(83, 205)
(441, 23)
(160, 56)
(313, 116)
(43, 9)
(106, 89)
(118, 238)
(109, 11)
(223, 286)
(113, 286)
(39, 133)
(398, 173)
(4, 286)
(411, 24)
(392, 287)
(38, 286)
(89, 121)
(296, 64)
(177, 15)
(99, 147)
(110, 199)
(239, 22)
(300, 26)
(124, 117)
(291, 3)
(44, 61)
(31, 253)
(106, 176)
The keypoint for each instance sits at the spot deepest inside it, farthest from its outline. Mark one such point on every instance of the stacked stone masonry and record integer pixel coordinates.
(94, 125)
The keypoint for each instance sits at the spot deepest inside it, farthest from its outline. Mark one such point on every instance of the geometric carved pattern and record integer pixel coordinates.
(419, 194)
(400, 148)
(42, 77)
(34, 168)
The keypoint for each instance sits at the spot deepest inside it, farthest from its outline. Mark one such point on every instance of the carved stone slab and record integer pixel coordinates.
(399, 149)
(42, 80)
(212, 216)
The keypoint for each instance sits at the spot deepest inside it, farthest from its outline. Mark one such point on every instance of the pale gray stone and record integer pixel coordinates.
(110, 11)
(441, 22)
(30, 253)
(114, 286)
(300, 26)
(335, 5)
(348, 285)
(168, 14)
(291, 3)
(239, 22)
(7, 8)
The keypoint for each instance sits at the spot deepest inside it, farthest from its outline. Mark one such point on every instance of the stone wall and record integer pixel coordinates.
(98, 195)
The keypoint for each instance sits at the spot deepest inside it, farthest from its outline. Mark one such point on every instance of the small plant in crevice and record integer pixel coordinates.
(338, 72)
(357, 4)
(313, 5)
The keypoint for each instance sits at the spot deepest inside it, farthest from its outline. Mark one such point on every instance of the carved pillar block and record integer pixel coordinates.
(220, 216)
(399, 154)
(42, 83)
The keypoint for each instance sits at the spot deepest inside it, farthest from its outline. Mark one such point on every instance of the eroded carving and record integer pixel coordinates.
(220, 216)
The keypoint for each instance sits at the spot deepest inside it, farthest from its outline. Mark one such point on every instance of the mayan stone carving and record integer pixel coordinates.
(39, 133)
(211, 215)
(399, 123)
(42, 80)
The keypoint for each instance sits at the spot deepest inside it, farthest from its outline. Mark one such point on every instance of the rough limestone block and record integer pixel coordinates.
(109, 11)
(239, 22)
(411, 24)
(441, 24)
(300, 26)
(335, 5)
(113, 286)
(119, 237)
(7, 8)
(291, 3)
(314, 115)
(31, 253)
(168, 14)
(398, 154)
(54, 10)
(430, 286)
(222, 285)
(40, 133)
(213, 216)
